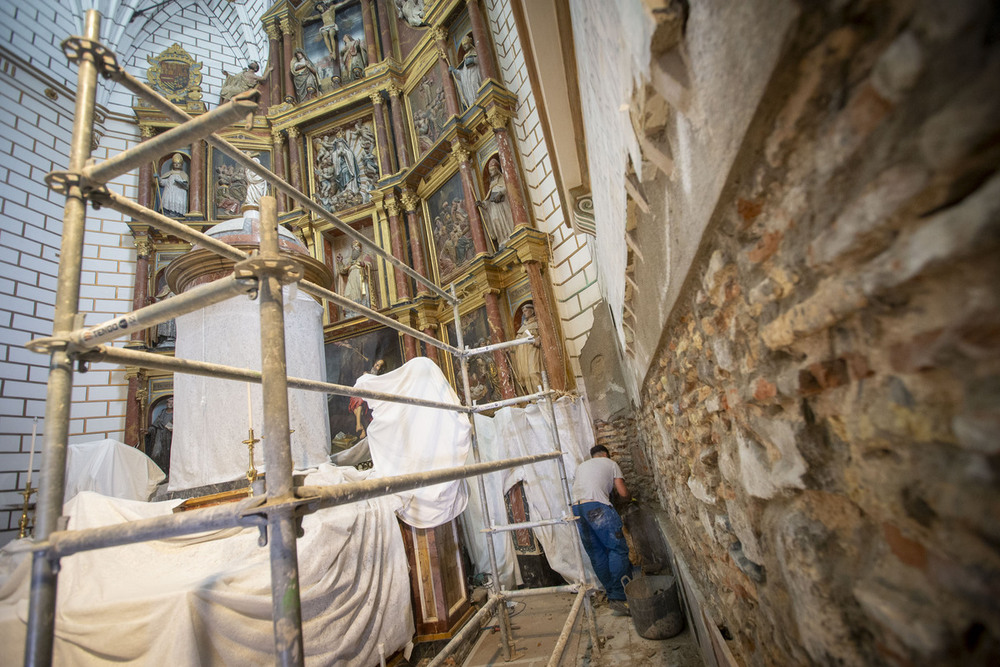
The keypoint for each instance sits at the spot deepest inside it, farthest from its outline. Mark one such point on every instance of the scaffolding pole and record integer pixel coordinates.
(44, 579)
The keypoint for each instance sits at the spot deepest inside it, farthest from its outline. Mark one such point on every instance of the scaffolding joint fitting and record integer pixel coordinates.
(286, 270)
(75, 47)
(49, 344)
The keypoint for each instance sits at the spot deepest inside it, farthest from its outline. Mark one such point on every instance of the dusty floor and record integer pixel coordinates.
(538, 621)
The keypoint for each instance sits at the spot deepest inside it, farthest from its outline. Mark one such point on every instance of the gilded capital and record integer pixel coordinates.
(273, 31)
(410, 200)
(459, 150)
(143, 247)
(440, 34)
(376, 97)
(277, 138)
(497, 118)
(392, 208)
(293, 133)
(286, 26)
(146, 131)
(393, 90)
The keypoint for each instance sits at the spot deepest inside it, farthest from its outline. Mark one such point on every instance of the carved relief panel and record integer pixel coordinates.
(344, 159)
(449, 228)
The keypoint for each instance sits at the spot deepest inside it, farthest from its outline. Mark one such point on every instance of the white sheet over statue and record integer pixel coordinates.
(211, 416)
(406, 438)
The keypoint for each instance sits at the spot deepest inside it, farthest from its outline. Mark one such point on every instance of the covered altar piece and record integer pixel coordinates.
(205, 599)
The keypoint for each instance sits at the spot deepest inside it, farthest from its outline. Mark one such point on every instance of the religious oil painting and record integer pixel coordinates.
(377, 351)
(345, 164)
(428, 108)
(484, 377)
(333, 38)
(449, 222)
(233, 185)
(355, 269)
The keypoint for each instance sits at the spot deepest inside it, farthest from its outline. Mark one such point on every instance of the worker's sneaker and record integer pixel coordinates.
(619, 608)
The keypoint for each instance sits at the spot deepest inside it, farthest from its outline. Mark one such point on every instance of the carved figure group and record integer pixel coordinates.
(427, 120)
(497, 216)
(346, 167)
(237, 187)
(451, 237)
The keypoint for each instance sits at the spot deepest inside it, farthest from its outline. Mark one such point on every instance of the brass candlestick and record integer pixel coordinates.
(251, 471)
(22, 525)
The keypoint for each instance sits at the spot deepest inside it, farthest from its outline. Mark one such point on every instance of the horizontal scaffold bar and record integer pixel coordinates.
(508, 527)
(161, 362)
(252, 511)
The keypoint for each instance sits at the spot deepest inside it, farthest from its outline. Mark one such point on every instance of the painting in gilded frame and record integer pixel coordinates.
(428, 110)
(484, 376)
(449, 223)
(346, 361)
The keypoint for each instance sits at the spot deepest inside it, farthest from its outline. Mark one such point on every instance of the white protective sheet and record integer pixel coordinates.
(110, 468)
(205, 600)
(407, 438)
(515, 431)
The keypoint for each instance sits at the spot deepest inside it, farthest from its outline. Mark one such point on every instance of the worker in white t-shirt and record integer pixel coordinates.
(599, 524)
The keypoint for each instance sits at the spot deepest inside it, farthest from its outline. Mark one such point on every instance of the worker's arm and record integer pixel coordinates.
(622, 490)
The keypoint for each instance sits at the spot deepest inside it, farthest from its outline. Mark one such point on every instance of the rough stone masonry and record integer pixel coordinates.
(823, 411)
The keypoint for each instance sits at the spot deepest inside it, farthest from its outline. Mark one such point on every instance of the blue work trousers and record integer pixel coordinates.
(601, 532)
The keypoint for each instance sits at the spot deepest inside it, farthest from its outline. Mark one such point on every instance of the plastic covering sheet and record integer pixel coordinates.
(516, 431)
(205, 600)
(407, 438)
(110, 468)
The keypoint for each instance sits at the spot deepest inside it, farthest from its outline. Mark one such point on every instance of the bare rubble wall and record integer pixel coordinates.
(822, 413)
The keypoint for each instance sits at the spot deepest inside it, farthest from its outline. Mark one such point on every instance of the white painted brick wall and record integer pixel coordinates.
(34, 139)
(572, 298)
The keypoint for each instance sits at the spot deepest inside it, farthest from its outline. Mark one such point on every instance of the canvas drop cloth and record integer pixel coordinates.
(407, 438)
(205, 600)
(110, 468)
(523, 431)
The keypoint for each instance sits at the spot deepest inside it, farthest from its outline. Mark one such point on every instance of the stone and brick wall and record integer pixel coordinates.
(823, 409)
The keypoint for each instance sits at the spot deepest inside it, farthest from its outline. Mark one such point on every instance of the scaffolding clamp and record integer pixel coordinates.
(285, 269)
(104, 58)
(63, 181)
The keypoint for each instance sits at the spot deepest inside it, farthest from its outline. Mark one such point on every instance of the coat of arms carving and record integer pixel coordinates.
(175, 74)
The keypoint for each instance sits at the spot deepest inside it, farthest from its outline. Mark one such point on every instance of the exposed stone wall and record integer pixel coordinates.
(622, 437)
(823, 409)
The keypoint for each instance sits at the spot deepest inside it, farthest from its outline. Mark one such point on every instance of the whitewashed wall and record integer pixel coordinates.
(573, 271)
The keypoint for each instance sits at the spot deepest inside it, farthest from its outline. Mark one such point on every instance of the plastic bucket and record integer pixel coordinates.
(656, 609)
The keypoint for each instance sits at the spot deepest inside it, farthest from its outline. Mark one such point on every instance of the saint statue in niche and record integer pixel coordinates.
(526, 359)
(466, 72)
(174, 188)
(256, 186)
(241, 81)
(164, 333)
(411, 11)
(160, 434)
(353, 59)
(304, 76)
(357, 275)
(497, 217)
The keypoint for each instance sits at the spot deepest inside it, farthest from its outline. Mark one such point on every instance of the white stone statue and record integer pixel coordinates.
(495, 207)
(174, 188)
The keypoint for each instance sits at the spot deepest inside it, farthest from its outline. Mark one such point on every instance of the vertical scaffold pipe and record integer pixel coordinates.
(506, 634)
(285, 598)
(588, 607)
(42, 599)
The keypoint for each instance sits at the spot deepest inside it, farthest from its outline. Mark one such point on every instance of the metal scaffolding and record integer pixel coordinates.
(263, 274)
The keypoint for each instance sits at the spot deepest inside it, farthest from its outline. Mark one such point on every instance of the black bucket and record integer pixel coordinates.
(656, 609)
